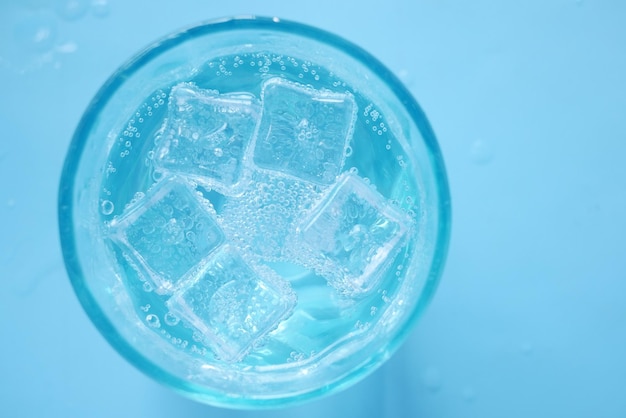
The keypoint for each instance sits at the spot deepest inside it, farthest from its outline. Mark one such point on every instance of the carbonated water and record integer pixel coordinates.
(261, 213)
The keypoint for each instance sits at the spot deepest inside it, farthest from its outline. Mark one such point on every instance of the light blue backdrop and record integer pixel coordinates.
(528, 100)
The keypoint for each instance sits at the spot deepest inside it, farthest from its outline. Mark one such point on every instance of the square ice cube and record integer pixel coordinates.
(232, 304)
(262, 218)
(351, 236)
(206, 135)
(168, 233)
(304, 132)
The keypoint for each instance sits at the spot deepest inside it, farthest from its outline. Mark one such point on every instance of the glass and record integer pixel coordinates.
(254, 212)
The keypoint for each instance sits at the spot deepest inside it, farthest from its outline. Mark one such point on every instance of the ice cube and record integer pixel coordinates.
(304, 132)
(262, 218)
(206, 135)
(167, 234)
(232, 305)
(351, 236)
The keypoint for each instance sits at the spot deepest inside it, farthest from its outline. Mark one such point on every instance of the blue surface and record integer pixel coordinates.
(527, 100)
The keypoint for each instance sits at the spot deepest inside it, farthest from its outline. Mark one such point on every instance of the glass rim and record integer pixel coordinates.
(82, 134)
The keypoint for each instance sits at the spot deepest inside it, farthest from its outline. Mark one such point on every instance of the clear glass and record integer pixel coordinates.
(311, 296)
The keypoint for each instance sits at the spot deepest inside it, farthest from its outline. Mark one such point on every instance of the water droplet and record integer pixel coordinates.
(527, 348)
(431, 378)
(153, 321)
(406, 77)
(71, 9)
(481, 153)
(36, 32)
(100, 8)
(171, 319)
(107, 207)
(469, 394)
(67, 47)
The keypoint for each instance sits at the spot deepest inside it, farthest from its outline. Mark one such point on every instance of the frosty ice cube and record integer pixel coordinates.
(351, 236)
(232, 305)
(167, 234)
(304, 132)
(268, 212)
(206, 135)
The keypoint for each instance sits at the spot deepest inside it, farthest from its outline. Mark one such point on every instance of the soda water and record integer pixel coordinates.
(260, 213)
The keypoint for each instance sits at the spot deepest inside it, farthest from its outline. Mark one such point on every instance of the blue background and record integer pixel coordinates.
(528, 100)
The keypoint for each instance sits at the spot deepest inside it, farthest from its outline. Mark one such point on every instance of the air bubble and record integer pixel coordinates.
(107, 207)
(171, 319)
(157, 175)
(153, 321)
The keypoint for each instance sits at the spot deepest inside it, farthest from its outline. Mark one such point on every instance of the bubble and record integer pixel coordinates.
(157, 175)
(171, 319)
(431, 378)
(481, 153)
(145, 307)
(71, 9)
(153, 321)
(107, 207)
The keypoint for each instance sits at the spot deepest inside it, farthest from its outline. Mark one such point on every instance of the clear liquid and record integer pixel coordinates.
(324, 319)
